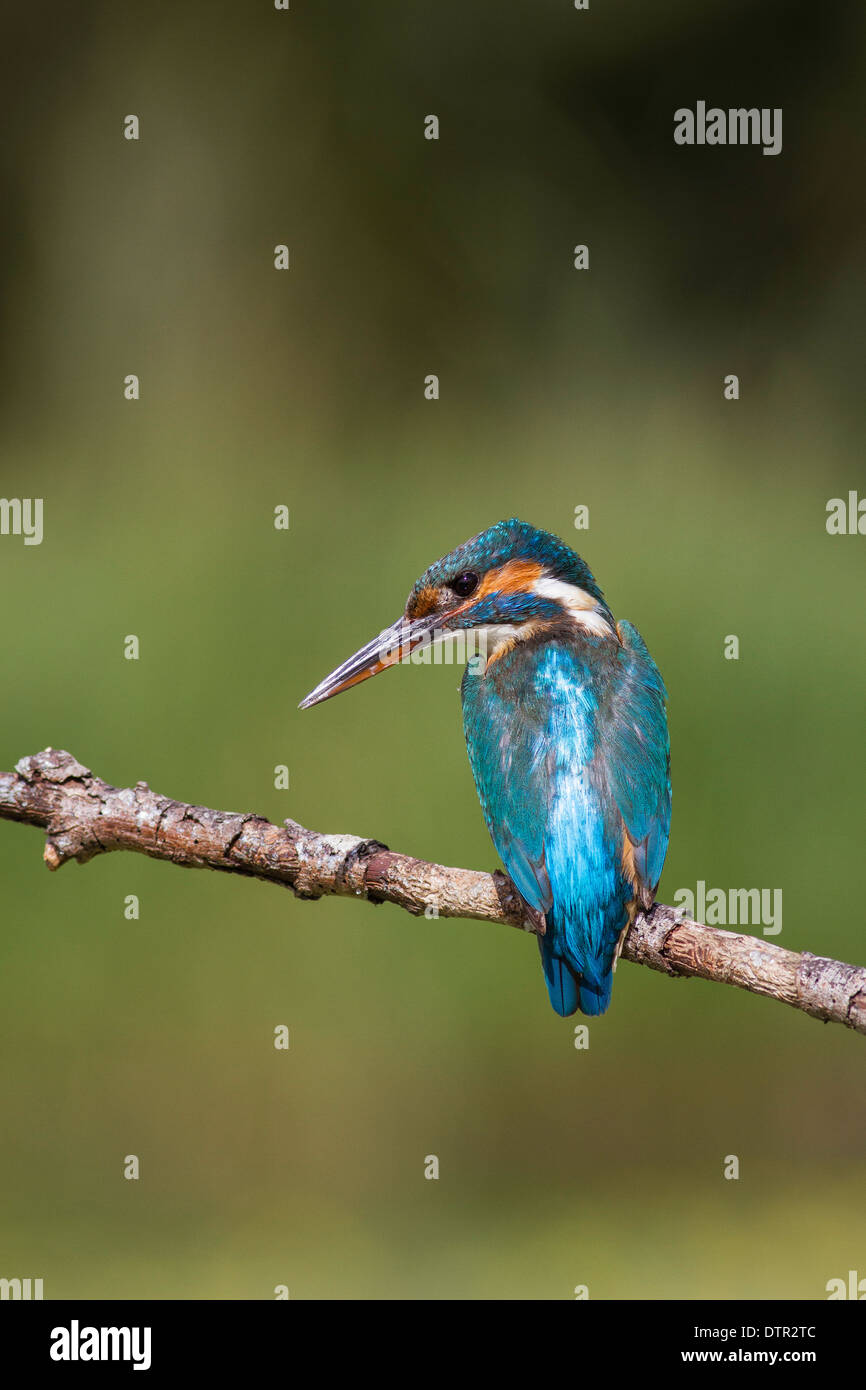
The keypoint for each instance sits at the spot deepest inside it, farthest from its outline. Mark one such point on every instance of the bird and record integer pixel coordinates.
(564, 715)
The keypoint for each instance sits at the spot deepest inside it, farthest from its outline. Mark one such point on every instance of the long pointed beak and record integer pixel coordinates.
(392, 645)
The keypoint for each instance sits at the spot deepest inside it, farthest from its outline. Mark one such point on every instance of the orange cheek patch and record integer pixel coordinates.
(512, 578)
(426, 602)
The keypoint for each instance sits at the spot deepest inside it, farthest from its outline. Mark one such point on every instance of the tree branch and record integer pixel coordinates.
(84, 816)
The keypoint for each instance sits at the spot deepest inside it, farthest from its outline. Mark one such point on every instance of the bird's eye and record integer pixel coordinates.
(464, 584)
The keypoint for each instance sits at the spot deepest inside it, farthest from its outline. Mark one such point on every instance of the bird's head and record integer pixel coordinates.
(507, 583)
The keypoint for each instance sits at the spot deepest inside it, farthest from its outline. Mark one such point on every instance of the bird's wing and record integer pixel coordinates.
(508, 760)
(635, 760)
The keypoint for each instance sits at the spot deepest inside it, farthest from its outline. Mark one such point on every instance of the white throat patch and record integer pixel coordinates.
(499, 635)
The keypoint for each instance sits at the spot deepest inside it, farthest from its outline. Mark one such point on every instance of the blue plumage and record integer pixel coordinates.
(567, 737)
(568, 745)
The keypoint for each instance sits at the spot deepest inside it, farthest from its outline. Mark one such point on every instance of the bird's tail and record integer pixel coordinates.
(569, 991)
(595, 997)
(563, 985)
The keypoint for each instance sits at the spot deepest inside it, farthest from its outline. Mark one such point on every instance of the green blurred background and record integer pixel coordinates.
(707, 517)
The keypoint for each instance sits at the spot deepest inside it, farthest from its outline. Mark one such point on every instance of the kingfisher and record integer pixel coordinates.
(566, 729)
